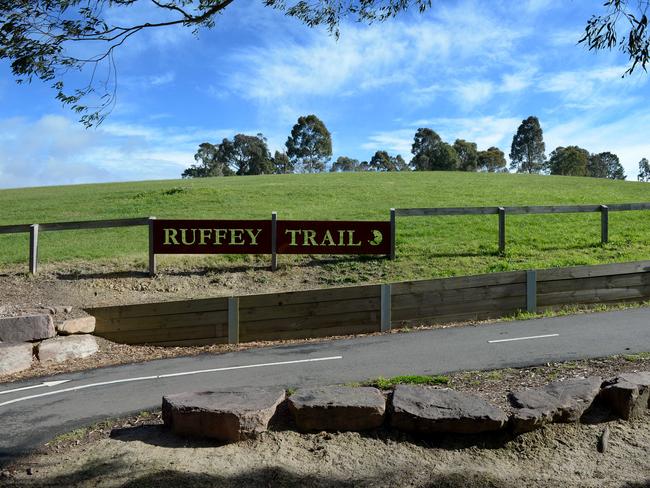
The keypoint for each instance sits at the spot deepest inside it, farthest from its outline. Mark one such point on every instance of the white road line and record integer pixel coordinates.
(47, 384)
(524, 338)
(169, 375)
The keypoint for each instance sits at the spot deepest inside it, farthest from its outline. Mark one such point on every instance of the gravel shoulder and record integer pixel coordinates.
(140, 452)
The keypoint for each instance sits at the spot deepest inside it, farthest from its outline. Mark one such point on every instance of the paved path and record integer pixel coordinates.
(34, 414)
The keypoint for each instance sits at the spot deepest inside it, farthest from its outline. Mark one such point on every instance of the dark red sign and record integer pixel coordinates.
(212, 236)
(255, 237)
(333, 237)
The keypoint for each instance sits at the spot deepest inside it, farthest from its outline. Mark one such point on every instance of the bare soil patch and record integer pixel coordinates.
(140, 452)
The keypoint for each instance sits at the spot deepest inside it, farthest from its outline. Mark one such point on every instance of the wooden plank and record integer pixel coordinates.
(314, 309)
(252, 329)
(592, 270)
(531, 291)
(458, 297)
(161, 308)
(15, 229)
(104, 324)
(274, 241)
(190, 342)
(152, 254)
(233, 320)
(432, 212)
(475, 281)
(160, 335)
(604, 224)
(308, 296)
(610, 281)
(516, 210)
(33, 249)
(592, 296)
(306, 333)
(393, 233)
(95, 224)
(502, 230)
(386, 308)
(456, 318)
(425, 311)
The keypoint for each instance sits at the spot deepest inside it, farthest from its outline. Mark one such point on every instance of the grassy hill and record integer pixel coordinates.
(436, 246)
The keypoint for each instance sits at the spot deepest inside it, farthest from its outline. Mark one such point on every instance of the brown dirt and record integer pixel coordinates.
(139, 452)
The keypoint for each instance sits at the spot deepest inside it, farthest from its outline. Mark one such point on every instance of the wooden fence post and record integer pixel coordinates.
(385, 305)
(531, 291)
(33, 248)
(274, 241)
(152, 255)
(392, 233)
(604, 224)
(233, 320)
(502, 230)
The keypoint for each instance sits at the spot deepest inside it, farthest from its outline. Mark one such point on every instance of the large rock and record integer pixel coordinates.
(15, 357)
(628, 394)
(223, 415)
(61, 349)
(428, 410)
(26, 328)
(81, 325)
(560, 401)
(337, 408)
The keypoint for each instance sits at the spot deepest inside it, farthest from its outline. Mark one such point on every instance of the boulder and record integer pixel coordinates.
(227, 416)
(15, 357)
(337, 408)
(428, 410)
(81, 325)
(628, 395)
(61, 349)
(560, 401)
(26, 328)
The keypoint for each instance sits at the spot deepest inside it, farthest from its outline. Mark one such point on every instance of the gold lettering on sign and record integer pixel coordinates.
(219, 235)
(327, 239)
(351, 239)
(253, 236)
(170, 237)
(309, 239)
(341, 238)
(294, 233)
(184, 237)
(236, 237)
(204, 234)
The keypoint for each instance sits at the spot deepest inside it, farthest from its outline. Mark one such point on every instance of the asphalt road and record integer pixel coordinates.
(35, 414)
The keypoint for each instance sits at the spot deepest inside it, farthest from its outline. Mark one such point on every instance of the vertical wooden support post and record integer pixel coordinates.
(531, 291)
(385, 305)
(233, 320)
(152, 254)
(502, 230)
(392, 233)
(33, 248)
(604, 224)
(274, 241)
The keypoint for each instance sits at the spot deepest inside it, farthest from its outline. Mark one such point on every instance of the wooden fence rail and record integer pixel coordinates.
(370, 308)
(525, 210)
(34, 230)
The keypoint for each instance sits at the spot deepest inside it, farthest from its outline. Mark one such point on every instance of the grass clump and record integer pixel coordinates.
(389, 383)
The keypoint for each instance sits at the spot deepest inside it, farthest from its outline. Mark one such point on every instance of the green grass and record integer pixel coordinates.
(389, 383)
(426, 247)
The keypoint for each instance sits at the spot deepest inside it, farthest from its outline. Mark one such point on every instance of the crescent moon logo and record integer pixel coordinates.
(378, 237)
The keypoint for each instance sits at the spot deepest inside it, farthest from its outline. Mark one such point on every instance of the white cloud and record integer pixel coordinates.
(57, 150)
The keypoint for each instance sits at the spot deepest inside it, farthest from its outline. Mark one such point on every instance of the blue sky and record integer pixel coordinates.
(468, 69)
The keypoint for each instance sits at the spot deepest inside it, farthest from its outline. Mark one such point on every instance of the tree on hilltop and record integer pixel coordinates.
(467, 155)
(569, 161)
(527, 150)
(644, 170)
(492, 160)
(382, 161)
(605, 165)
(309, 147)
